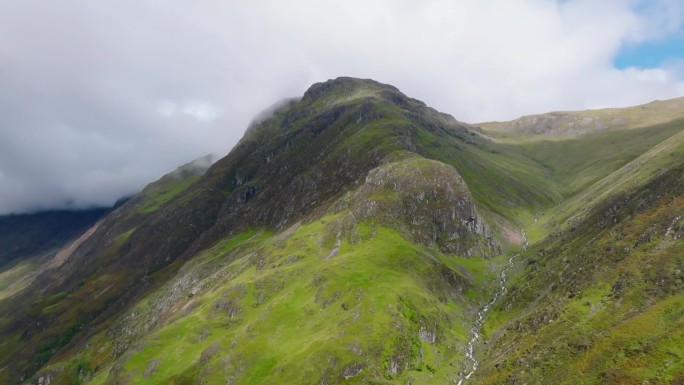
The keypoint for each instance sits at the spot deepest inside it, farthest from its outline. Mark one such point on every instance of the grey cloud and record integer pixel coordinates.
(100, 98)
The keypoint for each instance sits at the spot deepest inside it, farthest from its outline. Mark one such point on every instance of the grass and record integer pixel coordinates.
(294, 315)
(580, 162)
(653, 162)
(564, 125)
(262, 307)
(601, 304)
(17, 275)
(154, 198)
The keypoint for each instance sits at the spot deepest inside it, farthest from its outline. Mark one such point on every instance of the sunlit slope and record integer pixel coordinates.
(568, 124)
(304, 157)
(48, 298)
(601, 298)
(376, 288)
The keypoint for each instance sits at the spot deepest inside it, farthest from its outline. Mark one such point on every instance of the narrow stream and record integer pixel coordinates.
(470, 359)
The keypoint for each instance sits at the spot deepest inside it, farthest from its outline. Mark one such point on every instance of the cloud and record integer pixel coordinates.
(99, 98)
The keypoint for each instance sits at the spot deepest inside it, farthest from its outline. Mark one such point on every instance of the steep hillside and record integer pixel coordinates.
(28, 241)
(295, 165)
(355, 235)
(45, 246)
(599, 299)
(26, 235)
(342, 294)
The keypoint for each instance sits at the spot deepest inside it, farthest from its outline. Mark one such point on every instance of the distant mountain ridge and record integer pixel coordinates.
(26, 235)
(29, 241)
(575, 123)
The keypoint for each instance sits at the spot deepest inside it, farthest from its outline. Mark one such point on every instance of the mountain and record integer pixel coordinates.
(23, 235)
(27, 241)
(564, 124)
(600, 298)
(36, 247)
(355, 235)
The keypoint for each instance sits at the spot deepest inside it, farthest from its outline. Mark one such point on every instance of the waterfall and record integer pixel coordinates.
(470, 359)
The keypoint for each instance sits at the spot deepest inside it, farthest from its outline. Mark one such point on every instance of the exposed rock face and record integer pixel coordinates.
(69, 249)
(426, 200)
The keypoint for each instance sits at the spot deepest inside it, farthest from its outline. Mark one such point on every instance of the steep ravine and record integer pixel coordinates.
(471, 363)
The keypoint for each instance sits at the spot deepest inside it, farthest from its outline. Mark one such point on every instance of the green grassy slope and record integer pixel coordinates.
(15, 276)
(600, 299)
(295, 163)
(161, 191)
(41, 308)
(577, 163)
(368, 313)
(659, 159)
(569, 124)
(346, 295)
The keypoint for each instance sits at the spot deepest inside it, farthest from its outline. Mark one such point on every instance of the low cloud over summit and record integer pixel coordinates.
(98, 99)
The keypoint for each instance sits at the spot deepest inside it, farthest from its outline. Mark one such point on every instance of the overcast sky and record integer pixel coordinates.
(98, 98)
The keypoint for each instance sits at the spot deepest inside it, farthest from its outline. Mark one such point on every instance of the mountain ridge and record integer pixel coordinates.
(567, 124)
(351, 236)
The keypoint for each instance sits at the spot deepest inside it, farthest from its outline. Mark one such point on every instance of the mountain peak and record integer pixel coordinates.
(349, 87)
(349, 101)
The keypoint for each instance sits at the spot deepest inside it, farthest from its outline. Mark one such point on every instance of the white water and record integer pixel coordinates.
(470, 359)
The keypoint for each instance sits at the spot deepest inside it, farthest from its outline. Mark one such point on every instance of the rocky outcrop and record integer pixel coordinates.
(427, 201)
